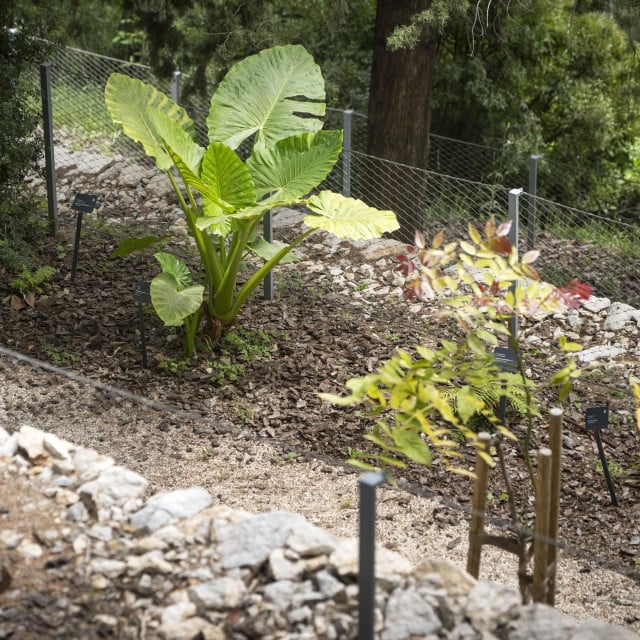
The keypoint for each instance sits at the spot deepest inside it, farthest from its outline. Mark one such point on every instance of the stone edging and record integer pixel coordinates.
(215, 573)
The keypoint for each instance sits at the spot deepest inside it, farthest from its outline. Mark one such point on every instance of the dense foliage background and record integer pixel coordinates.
(552, 77)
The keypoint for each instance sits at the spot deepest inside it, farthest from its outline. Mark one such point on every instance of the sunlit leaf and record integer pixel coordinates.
(173, 304)
(474, 234)
(412, 446)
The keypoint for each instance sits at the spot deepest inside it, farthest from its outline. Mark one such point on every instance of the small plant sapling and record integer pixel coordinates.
(272, 101)
(29, 285)
(429, 402)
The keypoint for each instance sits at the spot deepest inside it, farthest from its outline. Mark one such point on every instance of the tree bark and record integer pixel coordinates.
(400, 113)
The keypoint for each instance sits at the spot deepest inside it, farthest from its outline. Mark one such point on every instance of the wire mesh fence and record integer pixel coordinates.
(462, 185)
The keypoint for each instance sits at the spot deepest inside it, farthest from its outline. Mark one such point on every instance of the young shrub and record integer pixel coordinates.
(272, 101)
(428, 403)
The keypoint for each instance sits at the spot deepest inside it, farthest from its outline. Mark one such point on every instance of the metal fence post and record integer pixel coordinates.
(533, 193)
(366, 561)
(49, 149)
(175, 86)
(514, 235)
(347, 117)
(267, 232)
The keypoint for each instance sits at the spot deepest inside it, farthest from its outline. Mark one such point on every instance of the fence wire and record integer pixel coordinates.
(444, 501)
(576, 244)
(462, 185)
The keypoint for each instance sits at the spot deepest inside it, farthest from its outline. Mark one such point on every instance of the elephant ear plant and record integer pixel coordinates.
(274, 100)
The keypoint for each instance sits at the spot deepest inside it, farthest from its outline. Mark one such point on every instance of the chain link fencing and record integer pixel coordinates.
(463, 184)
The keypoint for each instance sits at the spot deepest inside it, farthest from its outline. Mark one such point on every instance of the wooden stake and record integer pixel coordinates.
(555, 444)
(540, 547)
(479, 505)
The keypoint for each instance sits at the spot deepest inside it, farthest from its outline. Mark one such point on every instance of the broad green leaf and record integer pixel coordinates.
(174, 267)
(412, 446)
(215, 220)
(176, 139)
(171, 303)
(225, 174)
(274, 94)
(267, 250)
(128, 102)
(129, 245)
(294, 166)
(348, 218)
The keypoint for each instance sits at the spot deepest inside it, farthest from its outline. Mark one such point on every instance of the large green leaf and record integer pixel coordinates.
(171, 303)
(270, 94)
(177, 139)
(348, 218)
(128, 101)
(225, 174)
(295, 165)
(174, 267)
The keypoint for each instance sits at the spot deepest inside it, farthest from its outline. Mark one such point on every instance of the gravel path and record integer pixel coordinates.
(246, 472)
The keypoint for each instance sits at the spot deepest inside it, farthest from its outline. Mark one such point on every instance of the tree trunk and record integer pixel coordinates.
(399, 115)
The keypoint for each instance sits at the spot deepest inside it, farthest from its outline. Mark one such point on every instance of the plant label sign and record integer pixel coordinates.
(142, 295)
(596, 418)
(142, 292)
(506, 359)
(84, 202)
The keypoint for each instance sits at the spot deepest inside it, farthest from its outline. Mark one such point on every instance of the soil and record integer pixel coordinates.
(312, 337)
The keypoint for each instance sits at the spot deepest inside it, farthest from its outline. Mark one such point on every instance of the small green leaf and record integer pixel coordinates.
(172, 304)
(176, 268)
(412, 445)
(565, 345)
(129, 245)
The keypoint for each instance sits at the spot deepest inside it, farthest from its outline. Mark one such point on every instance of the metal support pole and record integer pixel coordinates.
(366, 571)
(347, 117)
(533, 194)
(49, 149)
(267, 232)
(514, 235)
(175, 86)
(76, 247)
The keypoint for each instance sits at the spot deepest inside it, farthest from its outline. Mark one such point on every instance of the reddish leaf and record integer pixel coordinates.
(500, 244)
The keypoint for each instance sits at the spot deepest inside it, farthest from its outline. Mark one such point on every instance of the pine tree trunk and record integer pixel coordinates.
(400, 114)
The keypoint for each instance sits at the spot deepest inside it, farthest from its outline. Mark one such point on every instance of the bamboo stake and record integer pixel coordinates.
(479, 505)
(555, 444)
(539, 587)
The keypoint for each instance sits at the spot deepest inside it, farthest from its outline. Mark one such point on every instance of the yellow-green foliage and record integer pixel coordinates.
(429, 402)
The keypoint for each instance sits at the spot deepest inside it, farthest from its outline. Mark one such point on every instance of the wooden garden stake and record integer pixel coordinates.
(540, 546)
(479, 504)
(555, 444)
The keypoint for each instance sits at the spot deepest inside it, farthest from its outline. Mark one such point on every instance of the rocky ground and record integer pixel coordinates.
(336, 314)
